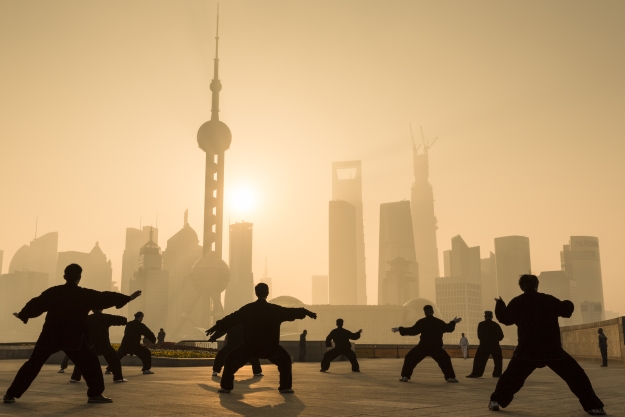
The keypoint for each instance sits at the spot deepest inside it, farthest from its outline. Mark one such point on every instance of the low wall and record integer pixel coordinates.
(16, 351)
(157, 362)
(581, 341)
(400, 351)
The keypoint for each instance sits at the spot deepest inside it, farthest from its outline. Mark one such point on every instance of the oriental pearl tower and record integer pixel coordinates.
(211, 274)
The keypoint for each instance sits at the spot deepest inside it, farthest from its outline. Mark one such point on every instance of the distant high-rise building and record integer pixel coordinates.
(558, 284)
(513, 260)
(343, 254)
(153, 282)
(16, 289)
(397, 241)
(320, 289)
(39, 256)
(581, 261)
(424, 221)
(489, 282)
(240, 290)
(592, 311)
(347, 186)
(460, 293)
(97, 272)
(135, 239)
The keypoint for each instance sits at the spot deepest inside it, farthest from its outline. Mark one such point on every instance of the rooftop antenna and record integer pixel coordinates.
(36, 224)
(426, 145)
(186, 217)
(157, 220)
(265, 276)
(140, 222)
(414, 145)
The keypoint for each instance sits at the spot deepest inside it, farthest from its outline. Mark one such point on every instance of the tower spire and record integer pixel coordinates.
(216, 84)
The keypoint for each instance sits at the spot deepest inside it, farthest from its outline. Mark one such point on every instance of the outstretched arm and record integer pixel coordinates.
(224, 324)
(329, 339)
(504, 313)
(355, 336)
(565, 309)
(297, 313)
(148, 333)
(410, 331)
(34, 308)
(112, 320)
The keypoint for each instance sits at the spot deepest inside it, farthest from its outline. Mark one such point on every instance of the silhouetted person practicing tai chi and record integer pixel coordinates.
(342, 346)
(160, 337)
(536, 316)
(64, 329)
(98, 325)
(235, 336)
(302, 346)
(490, 334)
(603, 347)
(261, 321)
(131, 343)
(464, 346)
(430, 344)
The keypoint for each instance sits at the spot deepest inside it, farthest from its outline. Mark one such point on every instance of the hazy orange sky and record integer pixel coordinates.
(100, 103)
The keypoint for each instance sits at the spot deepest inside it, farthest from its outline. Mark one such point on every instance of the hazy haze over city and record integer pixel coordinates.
(100, 103)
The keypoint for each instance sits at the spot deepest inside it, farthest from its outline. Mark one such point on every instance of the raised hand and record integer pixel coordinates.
(395, 329)
(498, 299)
(16, 315)
(211, 331)
(312, 315)
(135, 295)
(457, 319)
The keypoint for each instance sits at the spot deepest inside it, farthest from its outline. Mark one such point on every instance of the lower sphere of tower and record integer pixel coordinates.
(214, 136)
(210, 275)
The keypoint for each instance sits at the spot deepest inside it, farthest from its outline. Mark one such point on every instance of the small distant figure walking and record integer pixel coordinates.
(160, 337)
(131, 343)
(342, 346)
(536, 316)
(261, 322)
(302, 346)
(235, 336)
(464, 346)
(603, 347)
(490, 334)
(430, 344)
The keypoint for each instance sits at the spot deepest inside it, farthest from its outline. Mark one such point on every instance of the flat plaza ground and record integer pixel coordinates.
(373, 392)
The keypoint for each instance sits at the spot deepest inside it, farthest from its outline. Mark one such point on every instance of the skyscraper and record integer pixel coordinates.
(424, 221)
(581, 261)
(39, 256)
(347, 186)
(320, 289)
(343, 254)
(135, 239)
(240, 289)
(489, 282)
(396, 241)
(97, 272)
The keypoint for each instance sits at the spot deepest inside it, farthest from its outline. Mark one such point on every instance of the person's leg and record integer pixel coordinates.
(464, 351)
(28, 372)
(498, 360)
(569, 370)
(444, 362)
(302, 353)
(411, 360)
(121, 352)
(65, 362)
(256, 368)
(89, 364)
(328, 357)
(114, 364)
(220, 358)
(349, 354)
(512, 381)
(76, 375)
(283, 361)
(235, 360)
(145, 355)
(479, 361)
(604, 356)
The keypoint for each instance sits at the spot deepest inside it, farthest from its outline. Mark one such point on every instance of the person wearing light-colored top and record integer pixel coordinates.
(464, 345)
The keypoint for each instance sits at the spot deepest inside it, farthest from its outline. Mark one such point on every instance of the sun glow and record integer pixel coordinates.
(242, 199)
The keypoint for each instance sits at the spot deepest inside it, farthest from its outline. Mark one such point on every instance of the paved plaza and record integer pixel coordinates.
(373, 392)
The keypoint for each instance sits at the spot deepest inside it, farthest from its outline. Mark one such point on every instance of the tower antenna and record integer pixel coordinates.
(36, 225)
(426, 145)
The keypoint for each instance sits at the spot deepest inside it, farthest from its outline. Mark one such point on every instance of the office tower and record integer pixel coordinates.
(97, 272)
(240, 290)
(135, 239)
(320, 289)
(424, 221)
(489, 282)
(343, 254)
(16, 289)
(592, 311)
(347, 187)
(558, 284)
(153, 282)
(397, 242)
(39, 256)
(581, 261)
(460, 294)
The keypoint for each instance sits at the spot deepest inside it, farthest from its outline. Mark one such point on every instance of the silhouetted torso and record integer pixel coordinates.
(134, 331)
(489, 333)
(341, 338)
(431, 330)
(161, 337)
(98, 328)
(536, 316)
(603, 340)
(302, 340)
(68, 306)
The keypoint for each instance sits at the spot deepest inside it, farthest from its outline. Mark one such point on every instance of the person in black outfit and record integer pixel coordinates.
(603, 347)
(430, 344)
(98, 325)
(342, 346)
(536, 316)
(261, 322)
(235, 337)
(160, 337)
(131, 343)
(490, 334)
(64, 329)
(302, 346)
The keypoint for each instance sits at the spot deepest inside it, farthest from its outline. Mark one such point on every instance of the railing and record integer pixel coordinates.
(199, 343)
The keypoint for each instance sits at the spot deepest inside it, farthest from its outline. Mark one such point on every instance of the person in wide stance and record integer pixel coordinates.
(64, 329)
(235, 337)
(131, 343)
(490, 334)
(431, 330)
(261, 321)
(536, 316)
(342, 346)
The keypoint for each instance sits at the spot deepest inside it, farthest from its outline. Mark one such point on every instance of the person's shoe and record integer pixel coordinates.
(323, 370)
(260, 374)
(286, 391)
(224, 391)
(451, 380)
(596, 412)
(8, 399)
(119, 381)
(107, 372)
(472, 376)
(215, 373)
(100, 399)
(493, 406)
(355, 370)
(404, 379)
(73, 381)
(148, 372)
(61, 371)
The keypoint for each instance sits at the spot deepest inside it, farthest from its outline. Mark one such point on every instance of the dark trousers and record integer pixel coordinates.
(142, 353)
(114, 365)
(604, 355)
(418, 353)
(83, 357)
(302, 354)
(568, 369)
(481, 357)
(332, 354)
(220, 360)
(65, 362)
(238, 357)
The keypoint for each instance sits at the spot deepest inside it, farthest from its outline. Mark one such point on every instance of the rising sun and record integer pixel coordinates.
(242, 199)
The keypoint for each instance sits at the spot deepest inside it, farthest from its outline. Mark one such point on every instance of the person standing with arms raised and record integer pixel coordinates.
(342, 346)
(490, 334)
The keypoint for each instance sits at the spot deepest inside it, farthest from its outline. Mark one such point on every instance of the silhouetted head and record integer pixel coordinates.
(528, 282)
(462, 334)
(73, 273)
(339, 322)
(96, 311)
(428, 310)
(139, 316)
(600, 330)
(262, 290)
(305, 331)
(488, 315)
(161, 329)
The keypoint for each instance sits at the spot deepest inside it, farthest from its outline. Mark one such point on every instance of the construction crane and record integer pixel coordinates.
(426, 144)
